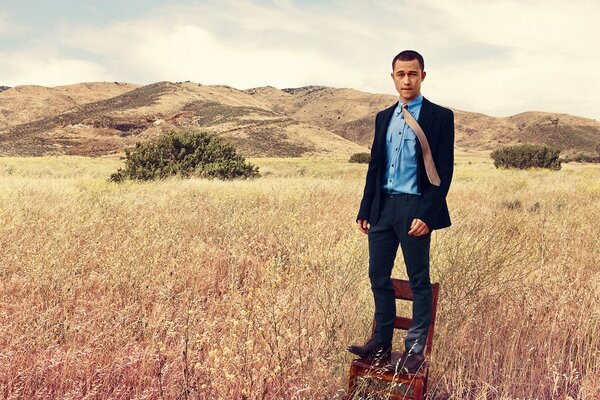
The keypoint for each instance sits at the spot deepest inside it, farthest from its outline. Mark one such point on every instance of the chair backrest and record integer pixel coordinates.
(402, 291)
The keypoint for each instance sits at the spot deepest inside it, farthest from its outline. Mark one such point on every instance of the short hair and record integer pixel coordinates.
(409, 55)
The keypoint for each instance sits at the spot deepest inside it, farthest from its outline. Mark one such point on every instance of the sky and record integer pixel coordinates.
(497, 57)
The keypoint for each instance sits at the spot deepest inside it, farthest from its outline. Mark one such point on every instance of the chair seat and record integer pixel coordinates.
(377, 368)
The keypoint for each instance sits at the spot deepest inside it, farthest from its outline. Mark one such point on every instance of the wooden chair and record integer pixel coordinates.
(387, 384)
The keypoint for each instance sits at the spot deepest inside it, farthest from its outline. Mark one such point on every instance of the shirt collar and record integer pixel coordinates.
(416, 102)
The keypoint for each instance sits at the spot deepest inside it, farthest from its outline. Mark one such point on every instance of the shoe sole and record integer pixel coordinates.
(375, 355)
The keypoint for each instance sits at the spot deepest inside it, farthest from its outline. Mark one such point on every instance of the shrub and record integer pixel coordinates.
(185, 154)
(583, 158)
(511, 205)
(362, 158)
(526, 156)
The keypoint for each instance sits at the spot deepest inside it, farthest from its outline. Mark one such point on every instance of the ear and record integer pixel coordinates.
(423, 75)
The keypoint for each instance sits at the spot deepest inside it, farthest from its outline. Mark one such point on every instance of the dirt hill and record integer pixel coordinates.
(23, 104)
(105, 118)
(255, 126)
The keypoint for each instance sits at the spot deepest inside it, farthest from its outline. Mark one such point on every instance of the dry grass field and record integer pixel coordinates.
(197, 289)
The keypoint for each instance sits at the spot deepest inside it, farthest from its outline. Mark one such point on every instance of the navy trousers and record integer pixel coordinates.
(391, 230)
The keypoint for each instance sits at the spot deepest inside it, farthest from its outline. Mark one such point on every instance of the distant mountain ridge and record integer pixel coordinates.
(102, 118)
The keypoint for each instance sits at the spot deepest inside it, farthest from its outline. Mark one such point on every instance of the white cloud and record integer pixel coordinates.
(507, 57)
(158, 49)
(8, 29)
(189, 52)
(3, 23)
(41, 68)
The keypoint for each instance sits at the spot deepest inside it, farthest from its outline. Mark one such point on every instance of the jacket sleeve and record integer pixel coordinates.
(434, 196)
(371, 180)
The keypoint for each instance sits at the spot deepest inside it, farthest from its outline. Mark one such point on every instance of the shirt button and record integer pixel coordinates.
(390, 180)
(392, 165)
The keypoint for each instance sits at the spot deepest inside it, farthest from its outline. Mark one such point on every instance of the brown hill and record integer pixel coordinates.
(105, 118)
(24, 104)
(350, 114)
(562, 131)
(255, 126)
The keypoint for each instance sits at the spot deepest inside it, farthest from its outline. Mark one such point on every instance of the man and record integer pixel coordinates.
(404, 200)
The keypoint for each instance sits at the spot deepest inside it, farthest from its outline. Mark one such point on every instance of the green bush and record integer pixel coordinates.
(526, 156)
(186, 154)
(362, 158)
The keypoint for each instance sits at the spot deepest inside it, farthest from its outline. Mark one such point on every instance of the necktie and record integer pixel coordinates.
(432, 174)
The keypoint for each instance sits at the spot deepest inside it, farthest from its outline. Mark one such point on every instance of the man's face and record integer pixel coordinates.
(407, 76)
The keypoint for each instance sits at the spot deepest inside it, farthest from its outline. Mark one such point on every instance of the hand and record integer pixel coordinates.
(418, 228)
(363, 225)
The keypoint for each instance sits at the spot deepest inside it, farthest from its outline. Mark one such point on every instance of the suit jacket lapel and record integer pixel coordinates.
(385, 122)
(426, 117)
(383, 126)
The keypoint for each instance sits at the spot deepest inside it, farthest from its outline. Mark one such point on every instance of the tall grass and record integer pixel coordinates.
(252, 289)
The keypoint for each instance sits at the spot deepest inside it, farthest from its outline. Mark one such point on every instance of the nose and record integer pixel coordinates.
(406, 80)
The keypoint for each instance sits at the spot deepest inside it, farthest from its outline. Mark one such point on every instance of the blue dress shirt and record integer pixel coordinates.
(401, 147)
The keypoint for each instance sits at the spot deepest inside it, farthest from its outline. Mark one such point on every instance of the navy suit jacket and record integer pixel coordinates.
(438, 124)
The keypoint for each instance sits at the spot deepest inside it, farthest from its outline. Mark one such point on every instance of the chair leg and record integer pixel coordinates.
(351, 383)
(418, 391)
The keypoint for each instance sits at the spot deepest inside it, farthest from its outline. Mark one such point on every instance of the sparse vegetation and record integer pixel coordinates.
(361, 158)
(204, 289)
(526, 156)
(185, 154)
(580, 157)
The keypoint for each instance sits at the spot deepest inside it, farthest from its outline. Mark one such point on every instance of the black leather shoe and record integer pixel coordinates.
(371, 349)
(409, 363)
